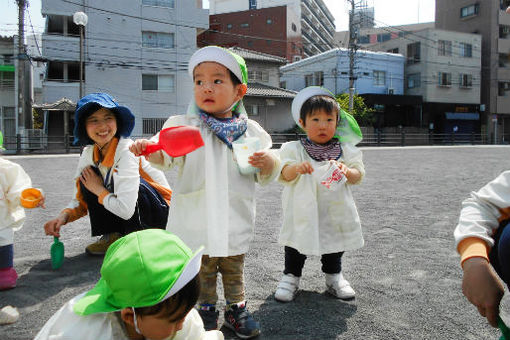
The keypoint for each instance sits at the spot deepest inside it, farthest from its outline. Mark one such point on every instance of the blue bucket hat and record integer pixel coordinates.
(93, 102)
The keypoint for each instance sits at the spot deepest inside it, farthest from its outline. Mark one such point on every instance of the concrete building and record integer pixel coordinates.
(136, 50)
(489, 19)
(292, 29)
(444, 68)
(374, 35)
(376, 72)
(265, 101)
(8, 103)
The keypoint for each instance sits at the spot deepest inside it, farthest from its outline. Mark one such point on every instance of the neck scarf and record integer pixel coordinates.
(226, 129)
(332, 150)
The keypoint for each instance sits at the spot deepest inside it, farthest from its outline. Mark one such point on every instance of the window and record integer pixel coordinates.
(444, 48)
(6, 59)
(151, 126)
(414, 80)
(64, 71)
(155, 82)
(294, 28)
(364, 39)
(160, 3)
(253, 4)
(319, 78)
(254, 110)
(157, 40)
(245, 25)
(269, 21)
(283, 84)
(6, 80)
(466, 50)
(466, 80)
(250, 43)
(445, 79)
(393, 50)
(413, 53)
(379, 78)
(469, 11)
(258, 76)
(383, 37)
(309, 80)
(229, 26)
(504, 30)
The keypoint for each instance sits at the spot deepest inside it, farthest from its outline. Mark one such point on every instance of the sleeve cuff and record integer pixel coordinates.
(101, 197)
(472, 247)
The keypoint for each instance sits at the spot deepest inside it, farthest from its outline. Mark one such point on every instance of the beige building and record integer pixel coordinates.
(489, 19)
(444, 68)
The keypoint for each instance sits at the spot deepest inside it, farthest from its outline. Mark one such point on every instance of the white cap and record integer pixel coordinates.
(303, 96)
(218, 55)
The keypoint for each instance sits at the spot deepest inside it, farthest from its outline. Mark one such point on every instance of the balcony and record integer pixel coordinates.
(59, 47)
(504, 18)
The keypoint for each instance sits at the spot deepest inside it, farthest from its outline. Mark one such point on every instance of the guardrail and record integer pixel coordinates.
(63, 144)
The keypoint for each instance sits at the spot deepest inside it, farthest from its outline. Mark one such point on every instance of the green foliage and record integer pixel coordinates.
(37, 119)
(363, 114)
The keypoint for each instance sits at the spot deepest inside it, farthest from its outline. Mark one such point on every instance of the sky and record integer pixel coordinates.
(409, 12)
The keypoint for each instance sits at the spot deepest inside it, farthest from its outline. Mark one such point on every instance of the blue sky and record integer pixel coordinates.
(409, 11)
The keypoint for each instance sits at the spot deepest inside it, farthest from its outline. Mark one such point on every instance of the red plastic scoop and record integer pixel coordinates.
(177, 141)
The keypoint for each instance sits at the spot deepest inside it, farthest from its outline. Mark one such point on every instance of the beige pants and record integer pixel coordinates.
(232, 275)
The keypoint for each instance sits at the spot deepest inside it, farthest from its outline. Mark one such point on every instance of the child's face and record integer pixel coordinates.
(156, 327)
(320, 126)
(101, 126)
(214, 91)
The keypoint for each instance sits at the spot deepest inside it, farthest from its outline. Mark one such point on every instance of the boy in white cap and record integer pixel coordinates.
(149, 284)
(319, 213)
(214, 203)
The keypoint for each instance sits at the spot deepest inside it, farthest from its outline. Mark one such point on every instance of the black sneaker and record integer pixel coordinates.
(238, 319)
(209, 317)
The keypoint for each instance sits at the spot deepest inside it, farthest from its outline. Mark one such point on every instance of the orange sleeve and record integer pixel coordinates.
(472, 247)
(81, 210)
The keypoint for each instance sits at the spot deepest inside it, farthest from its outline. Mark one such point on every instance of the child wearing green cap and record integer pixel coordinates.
(13, 180)
(149, 284)
(213, 204)
(319, 213)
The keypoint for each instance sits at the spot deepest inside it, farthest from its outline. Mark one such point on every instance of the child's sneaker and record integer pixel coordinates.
(209, 316)
(339, 287)
(101, 246)
(8, 278)
(287, 288)
(238, 319)
(8, 315)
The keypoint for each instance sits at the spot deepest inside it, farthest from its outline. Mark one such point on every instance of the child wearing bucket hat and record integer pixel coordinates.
(13, 180)
(214, 203)
(149, 284)
(319, 213)
(121, 193)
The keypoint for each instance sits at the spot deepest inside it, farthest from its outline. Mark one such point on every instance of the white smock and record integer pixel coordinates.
(318, 220)
(213, 204)
(13, 180)
(67, 325)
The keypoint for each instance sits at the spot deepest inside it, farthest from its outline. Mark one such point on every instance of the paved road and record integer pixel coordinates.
(407, 276)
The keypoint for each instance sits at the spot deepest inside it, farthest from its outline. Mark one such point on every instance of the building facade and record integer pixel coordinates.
(8, 103)
(489, 19)
(444, 68)
(292, 29)
(136, 50)
(376, 72)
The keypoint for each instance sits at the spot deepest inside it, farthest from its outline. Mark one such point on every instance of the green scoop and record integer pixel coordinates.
(57, 253)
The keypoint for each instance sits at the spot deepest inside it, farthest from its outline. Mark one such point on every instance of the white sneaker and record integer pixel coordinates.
(287, 288)
(339, 287)
(8, 315)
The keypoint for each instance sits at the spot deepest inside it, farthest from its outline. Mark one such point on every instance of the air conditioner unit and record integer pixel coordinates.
(296, 58)
(391, 91)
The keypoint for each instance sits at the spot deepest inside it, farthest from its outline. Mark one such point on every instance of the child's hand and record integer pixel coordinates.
(41, 203)
(352, 174)
(482, 287)
(304, 168)
(262, 160)
(139, 146)
(53, 226)
(92, 181)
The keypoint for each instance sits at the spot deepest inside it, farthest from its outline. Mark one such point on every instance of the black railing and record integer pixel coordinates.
(63, 144)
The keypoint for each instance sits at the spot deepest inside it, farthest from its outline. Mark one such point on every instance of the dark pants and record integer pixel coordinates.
(499, 255)
(6, 255)
(295, 261)
(151, 211)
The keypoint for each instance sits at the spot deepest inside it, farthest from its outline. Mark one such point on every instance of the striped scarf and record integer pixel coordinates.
(226, 129)
(332, 150)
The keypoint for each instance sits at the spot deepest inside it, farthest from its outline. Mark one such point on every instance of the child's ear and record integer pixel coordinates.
(127, 315)
(301, 122)
(241, 90)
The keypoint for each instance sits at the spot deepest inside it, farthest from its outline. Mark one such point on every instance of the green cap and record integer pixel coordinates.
(1, 141)
(141, 269)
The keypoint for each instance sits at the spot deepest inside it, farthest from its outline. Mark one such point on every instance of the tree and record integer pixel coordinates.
(361, 112)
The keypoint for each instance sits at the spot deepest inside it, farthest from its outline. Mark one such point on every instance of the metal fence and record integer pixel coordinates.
(43, 144)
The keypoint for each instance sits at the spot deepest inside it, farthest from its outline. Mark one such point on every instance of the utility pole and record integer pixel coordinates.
(353, 36)
(21, 64)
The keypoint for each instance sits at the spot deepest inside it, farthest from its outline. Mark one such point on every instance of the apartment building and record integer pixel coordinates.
(136, 50)
(8, 103)
(292, 29)
(489, 19)
(444, 68)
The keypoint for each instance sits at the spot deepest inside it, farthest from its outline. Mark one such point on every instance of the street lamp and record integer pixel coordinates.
(81, 19)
